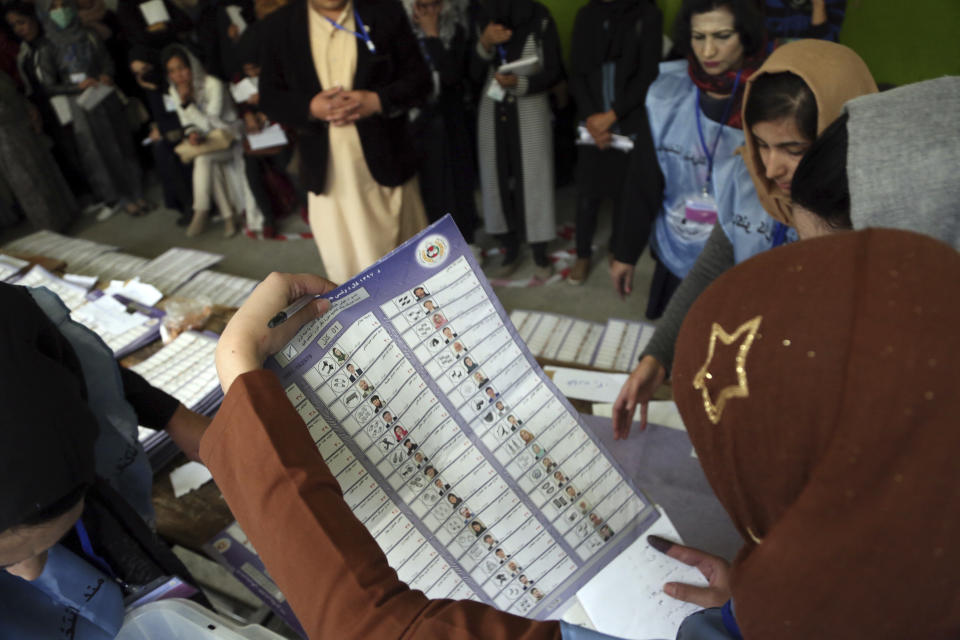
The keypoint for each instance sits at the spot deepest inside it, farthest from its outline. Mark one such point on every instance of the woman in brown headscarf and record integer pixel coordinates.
(832, 445)
(792, 98)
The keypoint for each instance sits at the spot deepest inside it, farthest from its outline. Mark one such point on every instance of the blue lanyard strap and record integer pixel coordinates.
(730, 622)
(779, 233)
(87, 547)
(362, 34)
(503, 53)
(711, 153)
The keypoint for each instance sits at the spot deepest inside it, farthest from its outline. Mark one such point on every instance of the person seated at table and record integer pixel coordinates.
(73, 546)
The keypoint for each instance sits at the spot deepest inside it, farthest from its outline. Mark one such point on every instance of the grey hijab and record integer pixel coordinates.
(903, 157)
(74, 33)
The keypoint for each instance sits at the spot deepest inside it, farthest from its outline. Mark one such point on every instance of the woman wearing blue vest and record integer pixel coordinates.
(694, 113)
(794, 96)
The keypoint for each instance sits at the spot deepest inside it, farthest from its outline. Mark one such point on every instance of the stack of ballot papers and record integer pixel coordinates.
(112, 266)
(72, 291)
(11, 267)
(622, 143)
(614, 346)
(217, 288)
(122, 326)
(185, 369)
(74, 251)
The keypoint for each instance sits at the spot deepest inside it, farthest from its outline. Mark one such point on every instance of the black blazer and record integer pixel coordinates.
(398, 73)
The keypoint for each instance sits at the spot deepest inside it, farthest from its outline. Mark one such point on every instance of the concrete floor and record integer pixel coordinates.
(151, 235)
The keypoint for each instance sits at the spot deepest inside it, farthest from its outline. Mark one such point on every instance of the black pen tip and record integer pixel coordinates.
(278, 319)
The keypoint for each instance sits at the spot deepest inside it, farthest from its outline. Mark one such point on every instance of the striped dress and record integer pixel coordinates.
(515, 142)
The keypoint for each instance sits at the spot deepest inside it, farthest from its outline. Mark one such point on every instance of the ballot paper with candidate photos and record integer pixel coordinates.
(473, 473)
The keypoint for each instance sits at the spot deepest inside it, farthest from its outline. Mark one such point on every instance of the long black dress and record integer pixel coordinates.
(443, 138)
(614, 58)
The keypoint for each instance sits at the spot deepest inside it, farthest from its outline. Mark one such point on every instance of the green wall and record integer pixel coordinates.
(901, 41)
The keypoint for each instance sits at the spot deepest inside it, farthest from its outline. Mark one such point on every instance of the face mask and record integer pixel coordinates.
(63, 16)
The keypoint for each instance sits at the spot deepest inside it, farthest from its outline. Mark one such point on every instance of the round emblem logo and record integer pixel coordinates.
(432, 251)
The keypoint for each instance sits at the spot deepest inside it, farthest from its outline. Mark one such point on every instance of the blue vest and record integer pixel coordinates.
(673, 111)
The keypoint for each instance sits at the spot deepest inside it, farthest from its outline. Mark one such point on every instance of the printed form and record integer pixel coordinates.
(473, 473)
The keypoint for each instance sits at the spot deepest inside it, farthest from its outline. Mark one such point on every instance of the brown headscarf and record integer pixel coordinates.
(835, 74)
(828, 428)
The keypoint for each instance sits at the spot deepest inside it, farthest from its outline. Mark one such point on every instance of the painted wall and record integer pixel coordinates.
(901, 42)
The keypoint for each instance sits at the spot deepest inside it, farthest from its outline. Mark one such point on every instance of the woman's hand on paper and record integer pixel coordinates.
(247, 342)
(714, 568)
(638, 389)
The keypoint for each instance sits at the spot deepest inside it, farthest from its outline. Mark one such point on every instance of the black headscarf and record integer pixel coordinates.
(249, 49)
(47, 432)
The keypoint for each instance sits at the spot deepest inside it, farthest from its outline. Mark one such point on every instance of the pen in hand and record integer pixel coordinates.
(291, 310)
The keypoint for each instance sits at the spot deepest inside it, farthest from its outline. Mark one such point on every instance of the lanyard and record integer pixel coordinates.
(88, 550)
(362, 34)
(711, 153)
(779, 233)
(503, 53)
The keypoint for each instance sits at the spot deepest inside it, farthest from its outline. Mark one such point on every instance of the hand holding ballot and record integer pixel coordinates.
(246, 342)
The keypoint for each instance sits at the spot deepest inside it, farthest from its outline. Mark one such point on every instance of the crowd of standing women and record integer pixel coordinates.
(93, 97)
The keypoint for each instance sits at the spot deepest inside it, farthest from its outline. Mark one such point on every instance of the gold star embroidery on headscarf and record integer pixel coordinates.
(748, 332)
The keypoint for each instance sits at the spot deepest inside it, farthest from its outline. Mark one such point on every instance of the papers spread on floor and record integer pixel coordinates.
(626, 599)
(113, 266)
(619, 142)
(217, 288)
(72, 295)
(10, 266)
(614, 346)
(271, 136)
(134, 289)
(76, 252)
(175, 266)
(522, 67)
(124, 328)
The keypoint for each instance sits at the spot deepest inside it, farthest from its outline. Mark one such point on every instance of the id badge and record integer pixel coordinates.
(496, 92)
(701, 208)
(169, 103)
(77, 78)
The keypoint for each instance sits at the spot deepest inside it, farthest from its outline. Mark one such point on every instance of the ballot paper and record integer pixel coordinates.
(154, 12)
(70, 294)
(75, 252)
(243, 90)
(626, 599)
(189, 477)
(614, 346)
(236, 17)
(134, 289)
(233, 551)
(582, 384)
(10, 266)
(185, 369)
(93, 96)
(217, 288)
(522, 67)
(473, 473)
(113, 266)
(175, 266)
(619, 142)
(123, 327)
(271, 136)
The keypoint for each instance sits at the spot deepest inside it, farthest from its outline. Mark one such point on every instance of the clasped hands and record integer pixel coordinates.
(599, 127)
(340, 107)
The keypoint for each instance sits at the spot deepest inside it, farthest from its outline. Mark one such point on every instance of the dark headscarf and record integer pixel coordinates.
(520, 16)
(47, 433)
(249, 49)
(818, 383)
